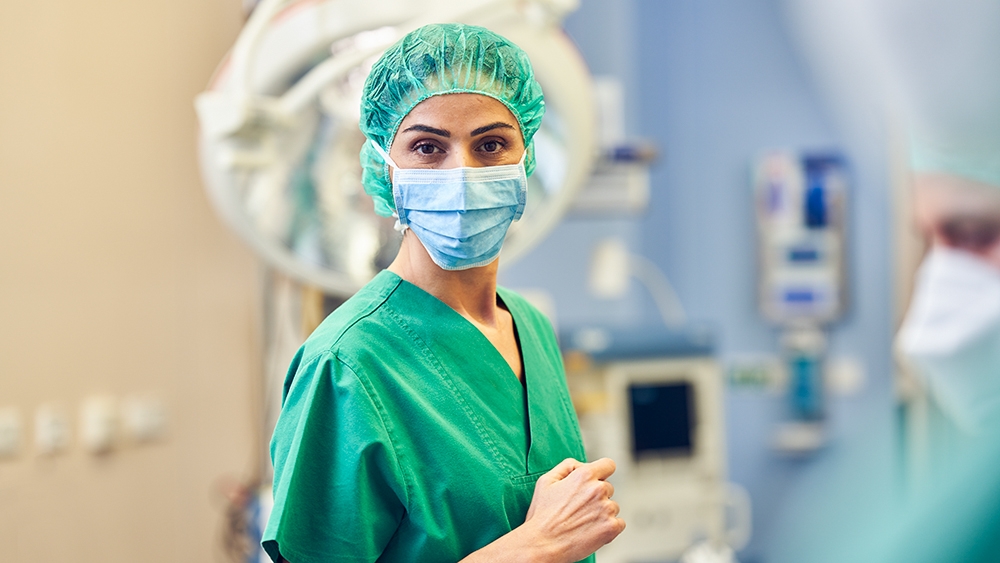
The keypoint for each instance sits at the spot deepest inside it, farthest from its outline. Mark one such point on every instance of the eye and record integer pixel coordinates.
(491, 146)
(426, 148)
(970, 234)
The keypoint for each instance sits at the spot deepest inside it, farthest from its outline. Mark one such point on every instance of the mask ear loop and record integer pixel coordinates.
(397, 198)
(522, 196)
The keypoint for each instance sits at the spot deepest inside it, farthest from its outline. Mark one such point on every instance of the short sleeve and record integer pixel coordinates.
(339, 493)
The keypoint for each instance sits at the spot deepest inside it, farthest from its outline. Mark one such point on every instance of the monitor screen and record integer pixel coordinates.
(663, 416)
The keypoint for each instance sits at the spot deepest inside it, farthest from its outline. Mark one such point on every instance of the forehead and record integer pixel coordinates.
(461, 112)
(939, 197)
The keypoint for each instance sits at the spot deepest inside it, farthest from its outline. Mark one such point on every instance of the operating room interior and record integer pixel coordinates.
(147, 320)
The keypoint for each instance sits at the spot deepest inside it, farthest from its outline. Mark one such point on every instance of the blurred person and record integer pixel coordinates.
(948, 65)
(939, 63)
(944, 73)
(427, 418)
(951, 333)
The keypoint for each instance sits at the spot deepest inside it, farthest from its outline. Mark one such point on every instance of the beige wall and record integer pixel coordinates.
(117, 278)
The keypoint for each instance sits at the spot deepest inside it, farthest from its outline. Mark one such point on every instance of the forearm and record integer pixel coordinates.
(520, 545)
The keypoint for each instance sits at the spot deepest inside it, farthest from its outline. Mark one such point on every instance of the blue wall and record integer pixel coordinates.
(714, 82)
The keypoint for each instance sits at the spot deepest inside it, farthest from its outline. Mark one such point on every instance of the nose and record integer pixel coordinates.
(463, 157)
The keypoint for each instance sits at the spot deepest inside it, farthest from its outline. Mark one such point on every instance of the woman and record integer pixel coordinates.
(427, 419)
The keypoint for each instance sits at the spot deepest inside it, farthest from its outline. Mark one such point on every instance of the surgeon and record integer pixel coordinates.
(948, 53)
(951, 333)
(934, 65)
(427, 419)
(951, 338)
(941, 59)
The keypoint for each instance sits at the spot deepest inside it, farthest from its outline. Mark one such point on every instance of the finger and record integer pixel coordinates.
(602, 468)
(609, 489)
(562, 470)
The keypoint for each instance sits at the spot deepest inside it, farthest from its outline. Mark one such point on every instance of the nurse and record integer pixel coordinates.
(428, 419)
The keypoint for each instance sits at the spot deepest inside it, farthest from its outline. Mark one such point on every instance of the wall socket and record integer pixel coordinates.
(10, 432)
(52, 429)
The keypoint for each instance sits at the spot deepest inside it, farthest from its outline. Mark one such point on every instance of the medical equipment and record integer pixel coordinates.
(652, 401)
(280, 140)
(611, 268)
(619, 184)
(800, 220)
(801, 207)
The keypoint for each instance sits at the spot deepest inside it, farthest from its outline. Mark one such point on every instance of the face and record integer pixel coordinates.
(960, 214)
(455, 130)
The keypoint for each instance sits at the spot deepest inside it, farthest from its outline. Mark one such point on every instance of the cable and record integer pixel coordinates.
(660, 289)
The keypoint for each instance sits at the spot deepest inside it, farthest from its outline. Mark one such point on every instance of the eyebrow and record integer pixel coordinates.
(490, 127)
(444, 133)
(426, 129)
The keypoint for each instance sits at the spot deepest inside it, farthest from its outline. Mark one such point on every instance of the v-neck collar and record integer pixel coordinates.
(442, 308)
(504, 382)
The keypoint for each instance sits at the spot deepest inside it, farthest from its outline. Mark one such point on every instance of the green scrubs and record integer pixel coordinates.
(405, 436)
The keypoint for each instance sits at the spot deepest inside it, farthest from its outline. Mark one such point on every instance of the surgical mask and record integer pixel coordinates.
(461, 215)
(952, 335)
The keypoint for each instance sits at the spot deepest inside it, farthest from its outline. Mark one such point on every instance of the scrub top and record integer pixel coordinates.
(405, 436)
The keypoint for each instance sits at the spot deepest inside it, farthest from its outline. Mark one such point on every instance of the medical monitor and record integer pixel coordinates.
(666, 415)
(663, 419)
(665, 428)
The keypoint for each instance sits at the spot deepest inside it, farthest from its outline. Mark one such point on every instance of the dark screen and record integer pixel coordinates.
(662, 419)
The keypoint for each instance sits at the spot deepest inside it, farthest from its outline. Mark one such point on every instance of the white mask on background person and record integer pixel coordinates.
(951, 334)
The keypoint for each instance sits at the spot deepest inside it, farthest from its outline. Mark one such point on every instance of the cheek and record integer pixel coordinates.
(990, 254)
(993, 254)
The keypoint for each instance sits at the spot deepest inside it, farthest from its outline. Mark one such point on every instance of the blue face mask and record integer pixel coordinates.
(461, 215)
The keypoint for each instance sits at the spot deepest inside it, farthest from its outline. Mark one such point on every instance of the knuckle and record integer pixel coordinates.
(596, 490)
(611, 530)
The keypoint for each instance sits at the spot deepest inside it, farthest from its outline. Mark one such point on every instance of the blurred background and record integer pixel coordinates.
(145, 324)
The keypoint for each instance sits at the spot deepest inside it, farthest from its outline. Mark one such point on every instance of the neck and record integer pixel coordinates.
(472, 293)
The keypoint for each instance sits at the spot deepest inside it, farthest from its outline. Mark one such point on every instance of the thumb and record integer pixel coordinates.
(562, 470)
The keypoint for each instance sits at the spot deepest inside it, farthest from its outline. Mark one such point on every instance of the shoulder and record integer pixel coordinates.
(359, 314)
(351, 335)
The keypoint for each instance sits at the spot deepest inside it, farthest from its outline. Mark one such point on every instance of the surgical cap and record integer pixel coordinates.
(442, 59)
(940, 61)
(969, 158)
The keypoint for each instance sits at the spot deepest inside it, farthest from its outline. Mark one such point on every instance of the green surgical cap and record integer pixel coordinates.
(977, 159)
(442, 59)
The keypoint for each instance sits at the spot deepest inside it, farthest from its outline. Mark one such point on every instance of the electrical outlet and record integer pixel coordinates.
(52, 431)
(98, 424)
(10, 432)
(144, 418)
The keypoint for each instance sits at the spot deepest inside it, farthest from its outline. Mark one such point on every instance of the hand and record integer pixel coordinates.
(572, 511)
